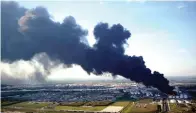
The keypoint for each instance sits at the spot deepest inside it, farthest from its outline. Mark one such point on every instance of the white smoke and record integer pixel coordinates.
(33, 71)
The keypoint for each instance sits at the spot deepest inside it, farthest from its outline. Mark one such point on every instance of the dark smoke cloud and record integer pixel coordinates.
(25, 34)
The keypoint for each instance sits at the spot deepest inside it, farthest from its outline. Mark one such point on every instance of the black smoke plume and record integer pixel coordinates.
(26, 33)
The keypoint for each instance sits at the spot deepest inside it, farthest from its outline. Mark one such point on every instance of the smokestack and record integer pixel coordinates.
(25, 34)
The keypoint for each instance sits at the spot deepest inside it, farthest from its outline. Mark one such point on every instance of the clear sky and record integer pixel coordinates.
(164, 33)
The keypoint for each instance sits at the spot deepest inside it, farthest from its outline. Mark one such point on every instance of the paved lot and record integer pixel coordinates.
(112, 109)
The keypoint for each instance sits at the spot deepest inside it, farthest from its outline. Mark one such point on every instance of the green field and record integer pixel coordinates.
(72, 103)
(98, 103)
(120, 103)
(127, 109)
(150, 108)
(133, 108)
(30, 105)
(6, 103)
(37, 107)
(33, 110)
(140, 106)
(95, 108)
(145, 100)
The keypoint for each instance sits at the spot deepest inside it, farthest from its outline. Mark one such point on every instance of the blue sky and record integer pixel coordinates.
(164, 33)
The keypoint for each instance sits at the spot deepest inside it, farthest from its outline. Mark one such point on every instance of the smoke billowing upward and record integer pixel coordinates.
(26, 33)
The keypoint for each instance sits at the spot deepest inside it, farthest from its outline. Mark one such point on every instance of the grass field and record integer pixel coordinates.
(145, 100)
(129, 107)
(30, 105)
(6, 103)
(36, 107)
(132, 107)
(120, 103)
(150, 108)
(95, 108)
(32, 110)
(98, 103)
(72, 103)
